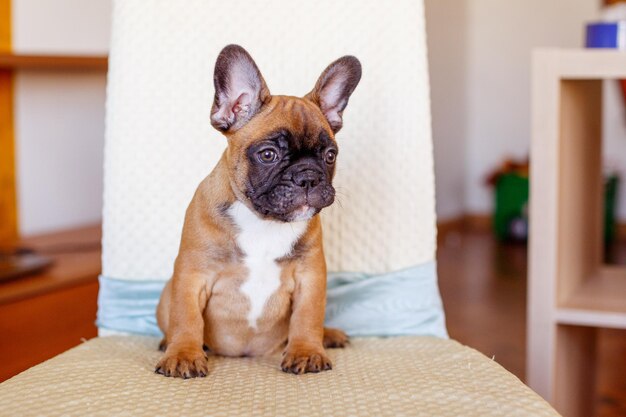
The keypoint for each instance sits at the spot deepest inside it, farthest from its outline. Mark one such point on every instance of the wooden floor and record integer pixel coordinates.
(483, 285)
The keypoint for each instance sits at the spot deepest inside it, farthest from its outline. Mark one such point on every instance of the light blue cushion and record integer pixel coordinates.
(129, 306)
(405, 302)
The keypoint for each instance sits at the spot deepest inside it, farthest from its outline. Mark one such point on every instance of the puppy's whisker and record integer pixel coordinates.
(342, 191)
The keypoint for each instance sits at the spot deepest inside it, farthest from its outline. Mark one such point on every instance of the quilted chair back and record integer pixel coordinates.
(160, 143)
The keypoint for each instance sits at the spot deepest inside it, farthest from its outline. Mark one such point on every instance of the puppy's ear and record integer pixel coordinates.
(334, 87)
(240, 89)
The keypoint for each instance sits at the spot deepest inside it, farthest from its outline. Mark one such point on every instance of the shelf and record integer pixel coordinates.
(582, 64)
(603, 293)
(591, 318)
(77, 263)
(53, 62)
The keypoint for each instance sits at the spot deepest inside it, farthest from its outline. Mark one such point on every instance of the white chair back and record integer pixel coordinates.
(160, 144)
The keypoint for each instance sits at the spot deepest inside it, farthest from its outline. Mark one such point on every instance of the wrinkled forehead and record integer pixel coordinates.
(297, 119)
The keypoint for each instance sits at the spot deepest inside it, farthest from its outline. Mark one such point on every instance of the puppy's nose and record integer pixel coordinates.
(307, 178)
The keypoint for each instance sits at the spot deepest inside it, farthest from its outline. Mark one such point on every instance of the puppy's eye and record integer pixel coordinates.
(268, 156)
(330, 157)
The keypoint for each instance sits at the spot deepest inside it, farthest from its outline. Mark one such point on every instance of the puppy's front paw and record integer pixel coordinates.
(303, 360)
(335, 338)
(183, 363)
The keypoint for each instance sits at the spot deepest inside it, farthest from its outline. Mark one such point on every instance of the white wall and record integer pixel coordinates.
(61, 26)
(501, 36)
(480, 53)
(446, 22)
(60, 136)
(59, 115)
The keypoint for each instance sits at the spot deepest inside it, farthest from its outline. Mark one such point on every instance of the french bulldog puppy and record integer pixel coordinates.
(250, 276)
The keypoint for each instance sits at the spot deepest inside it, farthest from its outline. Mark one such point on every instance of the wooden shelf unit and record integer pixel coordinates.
(53, 62)
(571, 292)
(10, 63)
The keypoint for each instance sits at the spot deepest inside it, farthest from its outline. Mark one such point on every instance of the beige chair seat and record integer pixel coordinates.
(401, 376)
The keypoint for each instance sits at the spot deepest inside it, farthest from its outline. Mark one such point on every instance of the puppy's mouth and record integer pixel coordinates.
(288, 205)
(298, 214)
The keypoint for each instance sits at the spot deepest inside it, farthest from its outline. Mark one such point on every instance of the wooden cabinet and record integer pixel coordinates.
(45, 314)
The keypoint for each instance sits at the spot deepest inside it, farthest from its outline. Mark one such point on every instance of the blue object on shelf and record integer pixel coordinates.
(606, 35)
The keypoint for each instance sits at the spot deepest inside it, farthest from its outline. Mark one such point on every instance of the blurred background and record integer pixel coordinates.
(480, 61)
(480, 57)
(52, 110)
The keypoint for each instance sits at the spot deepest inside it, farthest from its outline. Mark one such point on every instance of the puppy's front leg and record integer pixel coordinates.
(184, 356)
(305, 350)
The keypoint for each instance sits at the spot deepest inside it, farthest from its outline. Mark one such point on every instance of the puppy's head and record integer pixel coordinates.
(281, 150)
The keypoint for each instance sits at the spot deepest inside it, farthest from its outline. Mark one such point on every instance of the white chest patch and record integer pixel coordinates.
(262, 242)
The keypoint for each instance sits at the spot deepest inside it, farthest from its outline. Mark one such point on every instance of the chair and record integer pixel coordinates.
(159, 145)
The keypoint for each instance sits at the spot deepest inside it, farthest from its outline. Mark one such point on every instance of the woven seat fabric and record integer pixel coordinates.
(401, 376)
